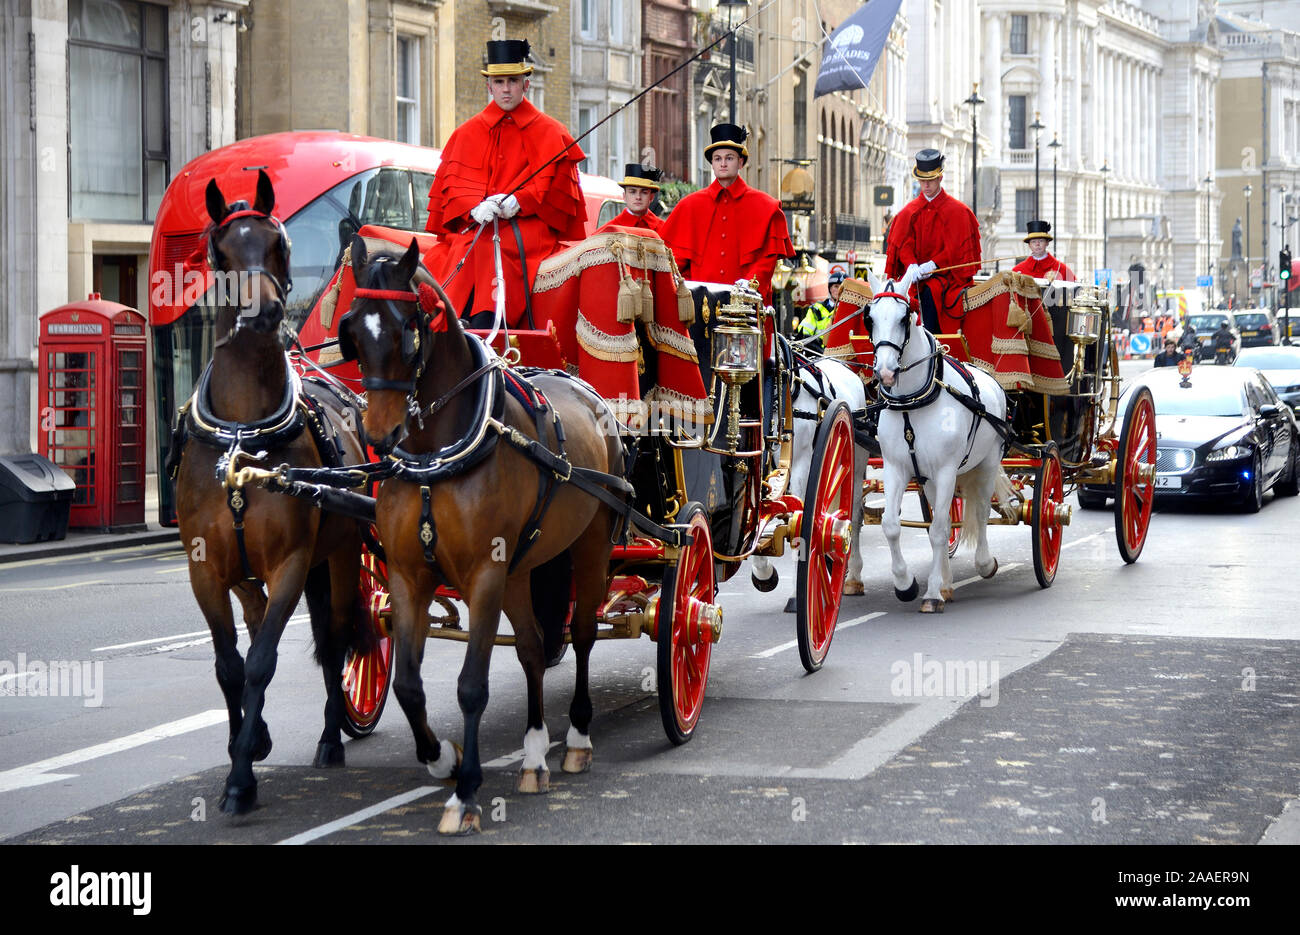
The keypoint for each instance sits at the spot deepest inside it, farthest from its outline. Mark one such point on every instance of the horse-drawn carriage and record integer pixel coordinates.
(1002, 417)
(634, 523)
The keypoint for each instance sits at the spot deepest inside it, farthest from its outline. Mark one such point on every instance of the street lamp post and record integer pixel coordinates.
(1105, 175)
(1038, 127)
(974, 101)
(1209, 256)
(1247, 191)
(729, 4)
(1054, 146)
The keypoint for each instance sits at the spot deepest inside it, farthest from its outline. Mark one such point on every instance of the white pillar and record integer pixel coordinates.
(991, 85)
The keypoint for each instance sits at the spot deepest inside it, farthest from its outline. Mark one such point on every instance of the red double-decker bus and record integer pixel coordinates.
(328, 185)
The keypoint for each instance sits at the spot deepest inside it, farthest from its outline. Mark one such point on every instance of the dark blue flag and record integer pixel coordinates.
(850, 55)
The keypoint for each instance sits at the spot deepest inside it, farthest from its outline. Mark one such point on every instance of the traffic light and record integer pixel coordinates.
(1284, 265)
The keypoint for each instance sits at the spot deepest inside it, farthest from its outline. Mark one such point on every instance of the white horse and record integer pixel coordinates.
(817, 386)
(952, 451)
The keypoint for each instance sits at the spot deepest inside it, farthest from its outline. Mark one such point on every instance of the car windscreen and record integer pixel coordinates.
(1205, 323)
(1200, 399)
(1250, 319)
(1270, 358)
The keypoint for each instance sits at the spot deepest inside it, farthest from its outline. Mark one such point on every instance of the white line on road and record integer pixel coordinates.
(357, 817)
(297, 618)
(768, 653)
(502, 762)
(965, 581)
(55, 587)
(1075, 542)
(43, 771)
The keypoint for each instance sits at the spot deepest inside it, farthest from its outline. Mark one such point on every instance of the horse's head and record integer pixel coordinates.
(248, 253)
(889, 322)
(396, 309)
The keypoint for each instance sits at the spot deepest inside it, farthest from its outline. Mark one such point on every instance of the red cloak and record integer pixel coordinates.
(944, 231)
(1040, 268)
(648, 221)
(490, 154)
(723, 234)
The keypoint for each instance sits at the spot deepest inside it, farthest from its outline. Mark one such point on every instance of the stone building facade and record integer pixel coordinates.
(607, 72)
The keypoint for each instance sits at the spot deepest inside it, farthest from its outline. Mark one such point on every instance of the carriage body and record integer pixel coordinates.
(710, 481)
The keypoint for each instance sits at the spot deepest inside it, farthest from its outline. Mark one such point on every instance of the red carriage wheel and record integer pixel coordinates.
(825, 531)
(955, 514)
(687, 622)
(1135, 475)
(1045, 521)
(366, 676)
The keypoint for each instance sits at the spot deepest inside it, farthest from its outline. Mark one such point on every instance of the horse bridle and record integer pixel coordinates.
(283, 244)
(936, 353)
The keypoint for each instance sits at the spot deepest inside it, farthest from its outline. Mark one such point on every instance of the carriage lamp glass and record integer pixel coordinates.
(1084, 324)
(735, 353)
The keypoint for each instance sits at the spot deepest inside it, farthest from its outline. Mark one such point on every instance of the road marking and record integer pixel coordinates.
(503, 761)
(172, 571)
(357, 817)
(965, 581)
(297, 618)
(56, 587)
(768, 653)
(96, 557)
(43, 771)
(1075, 542)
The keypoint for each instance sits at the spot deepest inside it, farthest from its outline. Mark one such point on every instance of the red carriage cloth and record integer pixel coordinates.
(593, 293)
(490, 154)
(945, 232)
(648, 221)
(1040, 268)
(723, 234)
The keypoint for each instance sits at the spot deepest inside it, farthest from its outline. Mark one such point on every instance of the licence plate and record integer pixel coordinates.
(1169, 480)
(1249, 334)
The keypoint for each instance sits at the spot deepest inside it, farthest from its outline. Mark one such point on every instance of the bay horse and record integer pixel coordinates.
(250, 402)
(925, 432)
(461, 509)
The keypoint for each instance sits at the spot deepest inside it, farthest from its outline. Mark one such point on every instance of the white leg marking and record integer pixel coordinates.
(535, 744)
(442, 767)
(453, 802)
(576, 741)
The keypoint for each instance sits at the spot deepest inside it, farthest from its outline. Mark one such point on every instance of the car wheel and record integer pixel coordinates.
(1255, 497)
(1091, 499)
(1287, 486)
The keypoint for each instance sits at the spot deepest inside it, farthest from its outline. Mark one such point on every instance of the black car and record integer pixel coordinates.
(1256, 328)
(1224, 436)
(1280, 366)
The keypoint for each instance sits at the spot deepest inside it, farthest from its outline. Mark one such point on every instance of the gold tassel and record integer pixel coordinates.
(629, 299)
(647, 301)
(1017, 317)
(685, 304)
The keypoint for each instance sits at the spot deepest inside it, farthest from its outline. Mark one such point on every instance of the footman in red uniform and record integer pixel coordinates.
(640, 185)
(728, 231)
(1040, 264)
(486, 159)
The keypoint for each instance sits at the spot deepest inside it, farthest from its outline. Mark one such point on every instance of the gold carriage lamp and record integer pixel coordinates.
(1084, 321)
(737, 344)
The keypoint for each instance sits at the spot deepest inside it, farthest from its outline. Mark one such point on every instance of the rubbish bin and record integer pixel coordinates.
(35, 498)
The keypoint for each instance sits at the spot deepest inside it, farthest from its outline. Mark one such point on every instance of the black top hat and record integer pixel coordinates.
(640, 176)
(727, 136)
(929, 164)
(507, 57)
(1038, 230)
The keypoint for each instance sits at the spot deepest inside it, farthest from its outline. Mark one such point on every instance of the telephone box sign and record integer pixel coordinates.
(69, 328)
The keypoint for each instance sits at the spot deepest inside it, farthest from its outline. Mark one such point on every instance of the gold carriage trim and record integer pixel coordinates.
(855, 292)
(1000, 284)
(1014, 346)
(840, 351)
(605, 346)
(1051, 386)
(1007, 379)
(689, 409)
(644, 253)
(1042, 349)
(667, 341)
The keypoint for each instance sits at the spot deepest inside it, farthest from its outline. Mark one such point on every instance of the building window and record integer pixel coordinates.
(586, 120)
(801, 113)
(1016, 110)
(617, 148)
(1026, 210)
(117, 109)
(587, 18)
(1019, 34)
(408, 90)
(616, 24)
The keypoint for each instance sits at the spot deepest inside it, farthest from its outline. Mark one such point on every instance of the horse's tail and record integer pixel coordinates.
(1006, 498)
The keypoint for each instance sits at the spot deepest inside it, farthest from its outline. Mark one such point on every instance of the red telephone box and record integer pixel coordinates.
(91, 408)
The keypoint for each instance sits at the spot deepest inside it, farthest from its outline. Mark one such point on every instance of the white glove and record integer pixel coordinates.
(926, 268)
(508, 205)
(485, 211)
(913, 272)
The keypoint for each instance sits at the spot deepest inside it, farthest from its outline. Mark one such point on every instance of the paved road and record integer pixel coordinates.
(1151, 703)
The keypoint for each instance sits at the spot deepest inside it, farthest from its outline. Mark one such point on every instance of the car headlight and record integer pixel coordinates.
(1230, 453)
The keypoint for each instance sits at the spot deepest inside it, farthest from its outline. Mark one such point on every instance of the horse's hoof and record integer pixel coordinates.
(438, 769)
(576, 760)
(992, 571)
(329, 755)
(789, 606)
(457, 819)
(946, 593)
(239, 800)
(852, 586)
(766, 584)
(931, 606)
(910, 594)
(534, 782)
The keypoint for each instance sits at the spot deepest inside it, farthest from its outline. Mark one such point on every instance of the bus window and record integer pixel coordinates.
(421, 182)
(316, 232)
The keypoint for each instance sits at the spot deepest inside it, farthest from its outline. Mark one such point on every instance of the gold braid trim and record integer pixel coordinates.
(668, 341)
(1001, 346)
(598, 250)
(605, 346)
(1000, 284)
(1042, 349)
(680, 406)
(840, 351)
